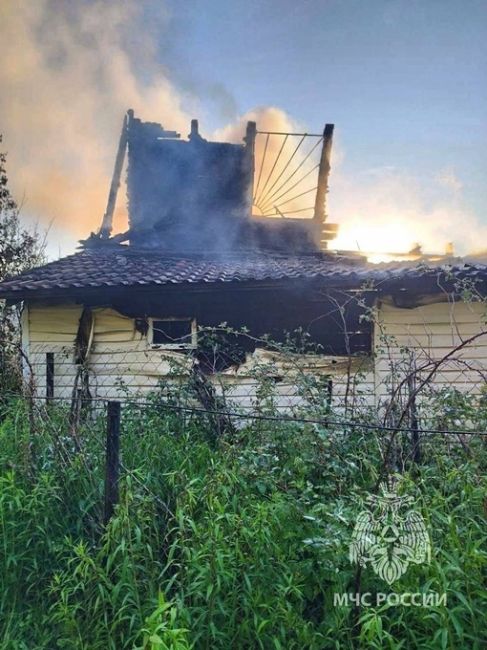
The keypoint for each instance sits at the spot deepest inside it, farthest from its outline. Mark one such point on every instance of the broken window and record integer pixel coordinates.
(172, 332)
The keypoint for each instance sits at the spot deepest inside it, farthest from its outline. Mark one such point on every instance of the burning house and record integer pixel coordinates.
(215, 238)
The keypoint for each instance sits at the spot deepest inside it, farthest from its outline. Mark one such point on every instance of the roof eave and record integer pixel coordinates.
(80, 294)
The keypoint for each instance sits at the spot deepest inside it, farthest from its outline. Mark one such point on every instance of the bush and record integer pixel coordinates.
(240, 543)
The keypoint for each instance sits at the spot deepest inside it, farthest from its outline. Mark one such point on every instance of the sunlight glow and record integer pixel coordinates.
(385, 238)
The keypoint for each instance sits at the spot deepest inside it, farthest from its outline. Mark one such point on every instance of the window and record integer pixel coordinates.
(177, 333)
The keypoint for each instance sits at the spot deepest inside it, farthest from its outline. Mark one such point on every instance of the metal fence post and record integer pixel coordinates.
(112, 466)
(413, 421)
(49, 376)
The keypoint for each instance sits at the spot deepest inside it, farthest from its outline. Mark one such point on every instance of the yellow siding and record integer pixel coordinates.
(120, 359)
(55, 324)
(120, 356)
(429, 333)
(112, 327)
(52, 328)
(241, 387)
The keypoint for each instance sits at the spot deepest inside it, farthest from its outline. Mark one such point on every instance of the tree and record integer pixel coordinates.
(20, 250)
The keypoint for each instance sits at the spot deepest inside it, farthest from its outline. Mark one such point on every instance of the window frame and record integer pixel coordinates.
(189, 345)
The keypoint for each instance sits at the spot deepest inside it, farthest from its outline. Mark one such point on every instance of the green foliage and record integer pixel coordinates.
(239, 544)
(20, 250)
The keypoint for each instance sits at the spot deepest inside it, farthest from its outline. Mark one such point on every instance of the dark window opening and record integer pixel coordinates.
(173, 332)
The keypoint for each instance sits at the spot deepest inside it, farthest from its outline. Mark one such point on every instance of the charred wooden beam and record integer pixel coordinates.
(323, 175)
(84, 336)
(107, 223)
(249, 139)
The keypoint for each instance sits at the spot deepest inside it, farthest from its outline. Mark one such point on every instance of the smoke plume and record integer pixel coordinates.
(71, 69)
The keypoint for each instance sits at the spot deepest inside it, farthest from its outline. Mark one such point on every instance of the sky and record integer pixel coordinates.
(404, 81)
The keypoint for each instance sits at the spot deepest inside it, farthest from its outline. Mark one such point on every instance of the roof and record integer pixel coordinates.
(124, 267)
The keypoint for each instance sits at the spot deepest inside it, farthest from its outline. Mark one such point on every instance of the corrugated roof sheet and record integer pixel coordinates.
(121, 267)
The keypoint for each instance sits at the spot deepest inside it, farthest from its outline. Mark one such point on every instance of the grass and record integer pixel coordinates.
(234, 543)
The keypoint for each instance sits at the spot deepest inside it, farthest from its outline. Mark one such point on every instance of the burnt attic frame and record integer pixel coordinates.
(184, 196)
(170, 179)
(183, 192)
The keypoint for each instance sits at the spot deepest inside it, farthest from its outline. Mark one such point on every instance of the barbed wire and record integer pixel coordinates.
(334, 423)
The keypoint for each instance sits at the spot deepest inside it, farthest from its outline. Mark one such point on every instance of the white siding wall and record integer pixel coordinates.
(429, 333)
(120, 358)
(53, 329)
(241, 386)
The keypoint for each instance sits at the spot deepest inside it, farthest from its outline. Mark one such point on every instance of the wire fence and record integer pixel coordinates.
(98, 405)
(394, 388)
(407, 403)
(94, 433)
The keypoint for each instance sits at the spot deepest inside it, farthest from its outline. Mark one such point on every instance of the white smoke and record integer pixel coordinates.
(71, 69)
